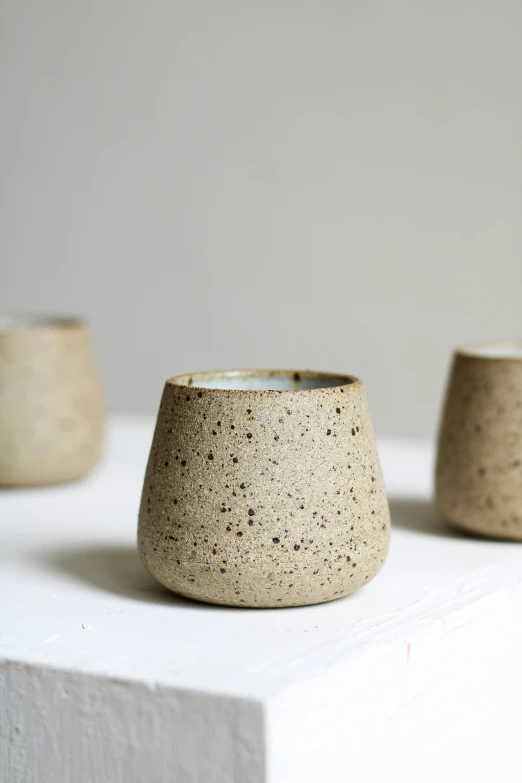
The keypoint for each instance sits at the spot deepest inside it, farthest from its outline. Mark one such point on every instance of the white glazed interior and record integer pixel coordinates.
(15, 323)
(262, 381)
(496, 349)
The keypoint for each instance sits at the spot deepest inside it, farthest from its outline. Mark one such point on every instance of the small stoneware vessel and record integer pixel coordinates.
(263, 489)
(51, 407)
(479, 461)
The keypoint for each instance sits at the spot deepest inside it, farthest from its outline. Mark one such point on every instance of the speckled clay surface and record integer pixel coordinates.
(51, 408)
(479, 463)
(263, 497)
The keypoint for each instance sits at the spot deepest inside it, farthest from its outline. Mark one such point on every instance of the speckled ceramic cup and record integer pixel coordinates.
(51, 409)
(479, 463)
(263, 489)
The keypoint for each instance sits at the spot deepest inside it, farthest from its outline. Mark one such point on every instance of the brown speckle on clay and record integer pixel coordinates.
(283, 482)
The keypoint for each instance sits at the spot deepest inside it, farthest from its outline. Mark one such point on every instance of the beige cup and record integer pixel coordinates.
(51, 408)
(263, 488)
(479, 462)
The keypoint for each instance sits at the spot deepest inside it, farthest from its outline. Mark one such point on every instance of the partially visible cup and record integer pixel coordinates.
(479, 461)
(51, 405)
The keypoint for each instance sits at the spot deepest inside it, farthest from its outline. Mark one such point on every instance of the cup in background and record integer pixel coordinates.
(479, 459)
(51, 406)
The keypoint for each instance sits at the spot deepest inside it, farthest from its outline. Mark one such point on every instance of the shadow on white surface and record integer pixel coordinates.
(116, 569)
(420, 516)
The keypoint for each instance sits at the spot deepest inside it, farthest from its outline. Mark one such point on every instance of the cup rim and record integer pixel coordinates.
(11, 323)
(504, 350)
(191, 380)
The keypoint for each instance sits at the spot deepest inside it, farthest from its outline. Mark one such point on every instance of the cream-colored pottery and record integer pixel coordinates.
(51, 408)
(264, 489)
(479, 463)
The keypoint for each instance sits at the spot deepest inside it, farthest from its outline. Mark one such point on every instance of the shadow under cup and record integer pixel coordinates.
(51, 406)
(263, 488)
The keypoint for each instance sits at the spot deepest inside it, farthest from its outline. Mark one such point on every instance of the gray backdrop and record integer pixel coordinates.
(330, 185)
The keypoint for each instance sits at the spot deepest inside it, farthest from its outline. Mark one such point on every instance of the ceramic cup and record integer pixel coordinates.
(51, 409)
(479, 463)
(263, 488)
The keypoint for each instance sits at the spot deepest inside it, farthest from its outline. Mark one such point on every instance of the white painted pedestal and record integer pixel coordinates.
(107, 678)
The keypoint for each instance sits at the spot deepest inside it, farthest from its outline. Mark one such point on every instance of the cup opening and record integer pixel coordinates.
(263, 380)
(23, 322)
(494, 349)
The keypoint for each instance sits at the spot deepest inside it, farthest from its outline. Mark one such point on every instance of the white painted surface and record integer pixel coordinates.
(106, 677)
